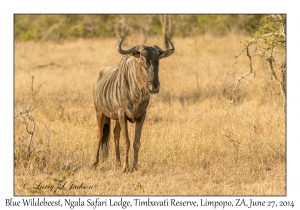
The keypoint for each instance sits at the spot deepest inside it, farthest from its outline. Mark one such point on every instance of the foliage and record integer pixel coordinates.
(269, 43)
(58, 27)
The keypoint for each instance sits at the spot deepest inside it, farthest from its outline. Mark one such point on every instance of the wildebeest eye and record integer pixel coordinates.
(137, 54)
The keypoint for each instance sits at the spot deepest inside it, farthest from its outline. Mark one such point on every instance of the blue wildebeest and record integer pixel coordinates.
(122, 93)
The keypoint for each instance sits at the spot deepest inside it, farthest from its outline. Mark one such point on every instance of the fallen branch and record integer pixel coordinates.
(45, 65)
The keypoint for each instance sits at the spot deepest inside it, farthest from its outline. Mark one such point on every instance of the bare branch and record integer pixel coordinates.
(250, 58)
(237, 82)
(31, 134)
(270, 42)
(25, 115)
(241, 52)
(27, 118)
(283, 33)
(270, 61)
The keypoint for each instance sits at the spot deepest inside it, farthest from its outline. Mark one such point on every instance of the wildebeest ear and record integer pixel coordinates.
(165, 53)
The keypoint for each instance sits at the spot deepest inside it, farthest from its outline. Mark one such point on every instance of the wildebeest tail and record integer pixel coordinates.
(105, 138)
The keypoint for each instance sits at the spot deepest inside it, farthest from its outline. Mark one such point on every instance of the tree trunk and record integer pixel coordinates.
(166, 22)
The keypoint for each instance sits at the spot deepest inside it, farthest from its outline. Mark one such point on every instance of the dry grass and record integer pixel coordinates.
(192, 143)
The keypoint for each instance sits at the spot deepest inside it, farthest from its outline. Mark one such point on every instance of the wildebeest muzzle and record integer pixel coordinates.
(153, 87)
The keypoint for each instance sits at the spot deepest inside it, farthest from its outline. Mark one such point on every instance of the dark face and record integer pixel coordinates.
(150, 61)
(148, 57)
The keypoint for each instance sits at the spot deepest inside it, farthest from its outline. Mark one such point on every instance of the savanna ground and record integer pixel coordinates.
(193, 142)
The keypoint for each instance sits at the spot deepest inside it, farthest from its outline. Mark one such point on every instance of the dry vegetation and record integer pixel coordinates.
(193, 143)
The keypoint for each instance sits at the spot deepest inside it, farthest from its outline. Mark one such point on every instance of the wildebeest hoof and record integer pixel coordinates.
(125, 169)
(134, 169)
(95, 165)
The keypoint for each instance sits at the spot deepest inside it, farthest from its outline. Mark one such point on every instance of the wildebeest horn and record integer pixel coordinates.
(166, 53)
(124, 52)
(161, 51)
(172, 46)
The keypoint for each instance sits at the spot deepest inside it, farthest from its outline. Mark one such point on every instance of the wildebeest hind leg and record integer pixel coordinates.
(117, 131)
(100, 120)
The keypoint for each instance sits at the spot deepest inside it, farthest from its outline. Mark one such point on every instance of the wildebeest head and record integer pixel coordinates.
(149, 59)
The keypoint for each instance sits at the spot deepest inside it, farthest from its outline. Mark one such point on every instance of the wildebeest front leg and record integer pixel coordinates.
(136, 144)
(124, 131)
(117, 131)
(101, 120)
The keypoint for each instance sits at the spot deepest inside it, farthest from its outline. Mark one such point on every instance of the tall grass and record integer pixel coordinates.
(193, 141)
